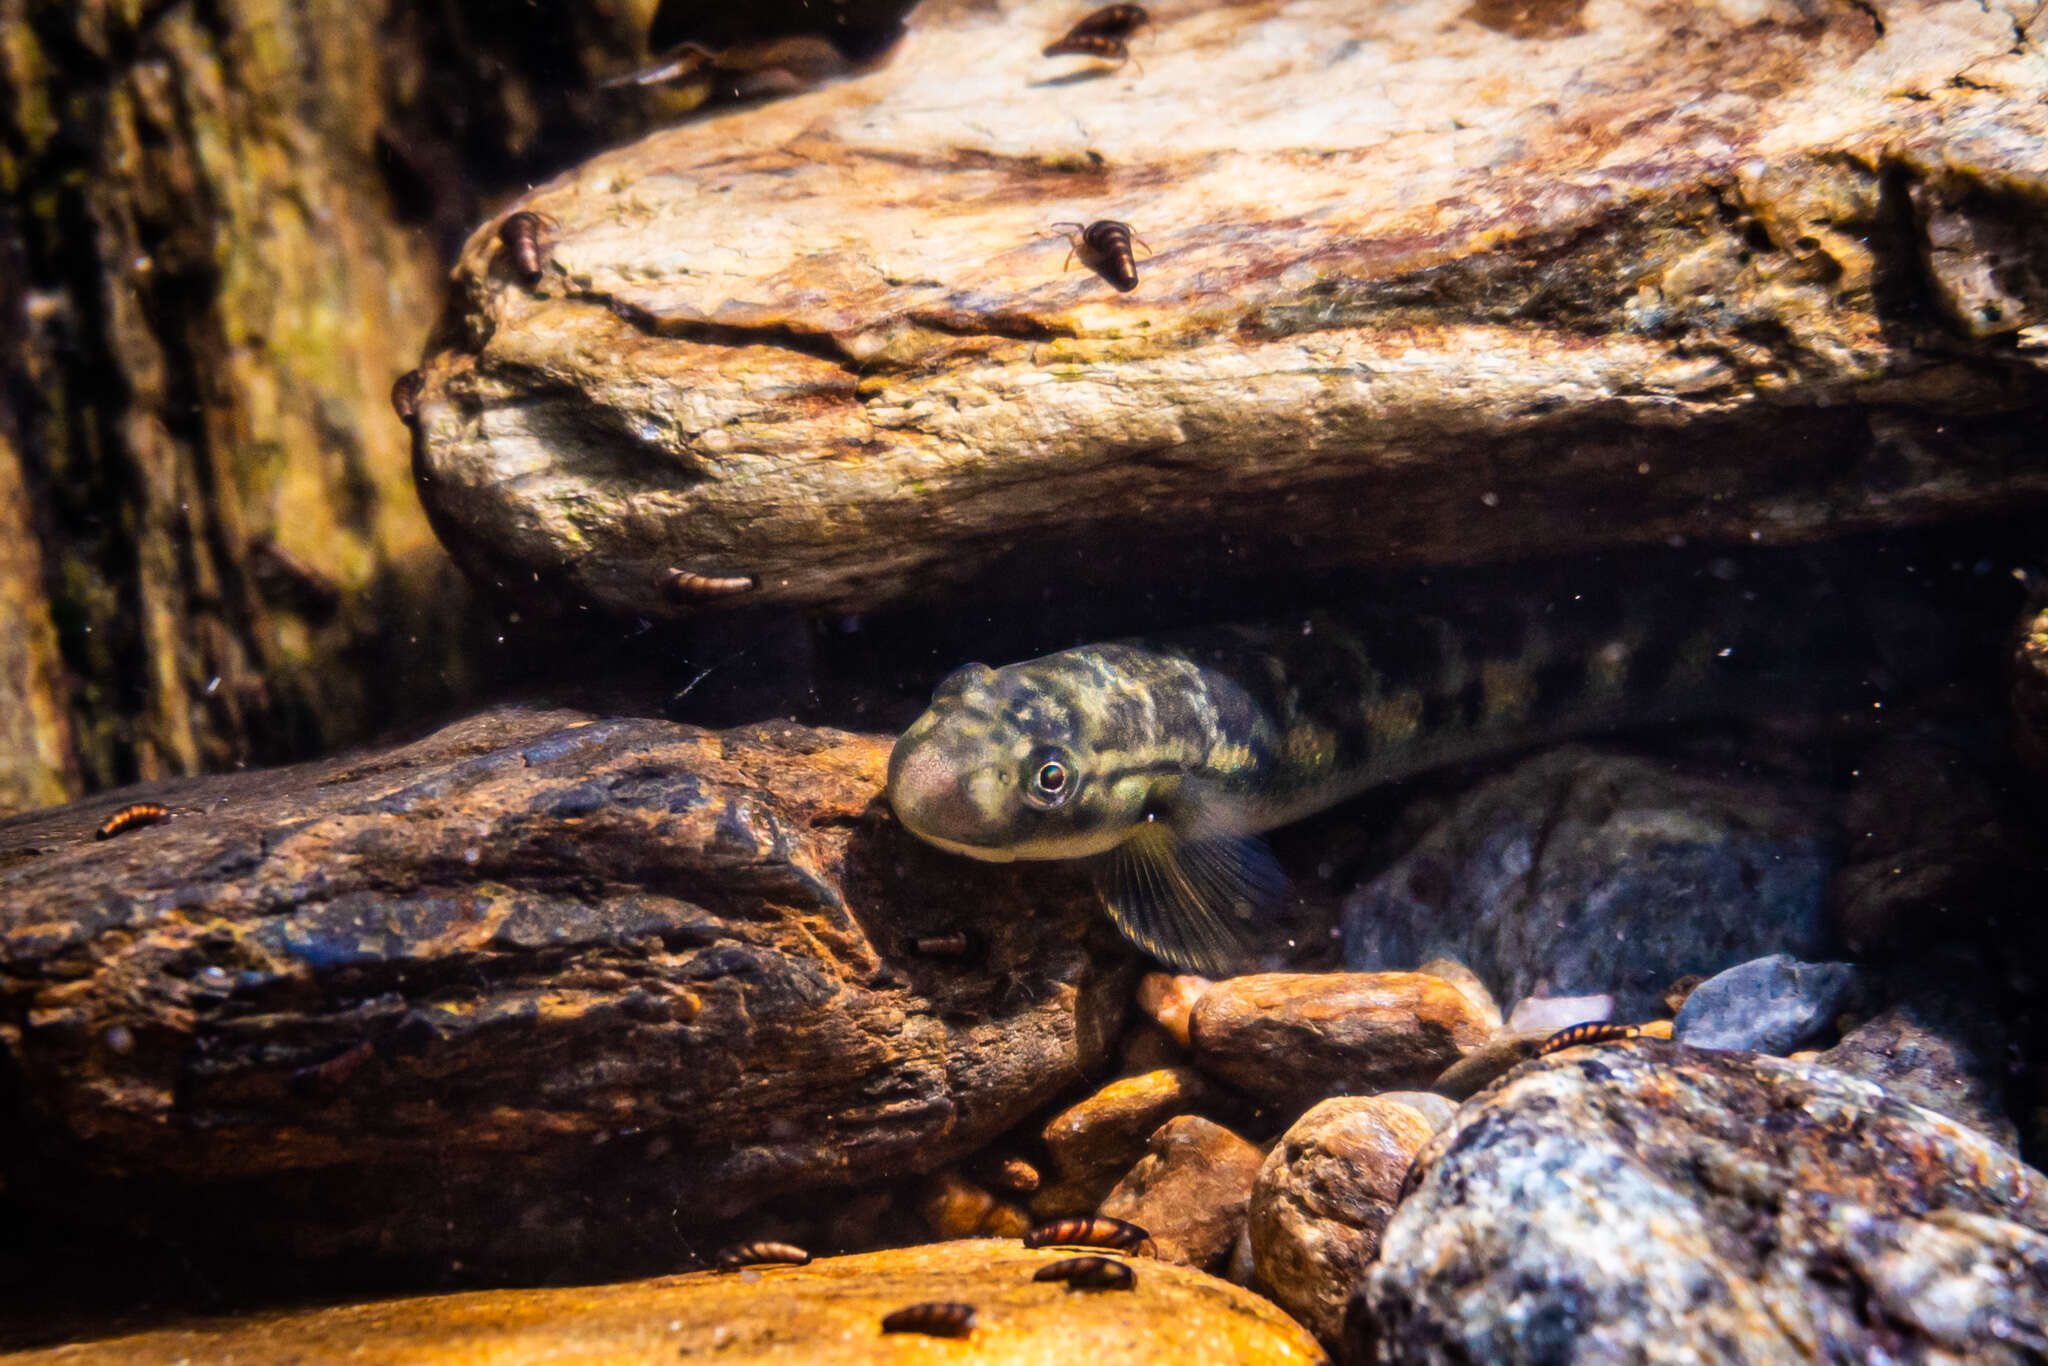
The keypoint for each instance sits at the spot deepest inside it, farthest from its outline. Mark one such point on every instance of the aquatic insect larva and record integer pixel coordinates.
(1090, 1273)
(682, 586)
(1111, 21)
(130, 817)
(405, 397)
(1091, 1230)
(761, 1254)
(1598, 1031)
(935, 1318)
(943, 945)
(1104, 246)
(524, 236)
(1101, 33)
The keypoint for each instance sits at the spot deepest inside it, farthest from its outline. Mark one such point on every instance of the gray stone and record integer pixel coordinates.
(1581, 872)
(1651, 1203)
(1943, 1047)
(1767, 1005)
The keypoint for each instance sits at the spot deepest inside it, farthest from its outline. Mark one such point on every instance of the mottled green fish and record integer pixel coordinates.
(1162, 760)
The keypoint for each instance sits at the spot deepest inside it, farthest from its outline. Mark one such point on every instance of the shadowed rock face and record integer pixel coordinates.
(1449, 282)
(536, 989)
(1650, 1202)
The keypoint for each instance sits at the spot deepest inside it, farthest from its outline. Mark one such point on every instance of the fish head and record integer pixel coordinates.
(1005, 764)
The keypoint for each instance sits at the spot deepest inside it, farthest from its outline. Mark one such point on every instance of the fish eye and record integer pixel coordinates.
(1051, 779)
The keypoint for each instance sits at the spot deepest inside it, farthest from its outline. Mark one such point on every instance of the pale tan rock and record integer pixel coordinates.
(1467, 981)
(1424, 282)
(1293, 1038)
(1189, 1191)
(1438, 1109)
(1168, 997)
(1324, 1195)
(1094, 1142)
(828, 1313)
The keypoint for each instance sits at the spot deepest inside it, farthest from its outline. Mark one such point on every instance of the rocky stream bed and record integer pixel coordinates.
(481, 1042)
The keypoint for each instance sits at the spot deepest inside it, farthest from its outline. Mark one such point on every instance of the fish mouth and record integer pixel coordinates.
(929, 791)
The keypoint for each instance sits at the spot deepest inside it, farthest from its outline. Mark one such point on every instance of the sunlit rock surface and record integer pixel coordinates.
(1646, 1202)
(828, 1313)
(495, 997)
(1441, 280)
(1189, 1191)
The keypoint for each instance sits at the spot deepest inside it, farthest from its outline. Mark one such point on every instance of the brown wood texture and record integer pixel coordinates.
(533, 993)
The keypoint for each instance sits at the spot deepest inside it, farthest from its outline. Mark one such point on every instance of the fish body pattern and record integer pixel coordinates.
(1162, 760)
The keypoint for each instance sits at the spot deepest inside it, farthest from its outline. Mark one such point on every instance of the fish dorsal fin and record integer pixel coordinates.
(1194, 903)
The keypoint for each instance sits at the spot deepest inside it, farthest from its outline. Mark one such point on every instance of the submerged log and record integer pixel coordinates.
(535, 992)
(1438, 281)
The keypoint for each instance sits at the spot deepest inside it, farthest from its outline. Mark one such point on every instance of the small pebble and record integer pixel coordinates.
(1170, 999)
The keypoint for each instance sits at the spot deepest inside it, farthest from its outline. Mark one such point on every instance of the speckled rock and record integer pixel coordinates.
(1324, 1194)
(1189, 1191)
(1293, 1038)
(1947, 1046)
(1095, 1141)
(826, 1314)
(1767, 1005)
(1647, 1202)
(495, 995)
(1450, 282)
(1580, 872)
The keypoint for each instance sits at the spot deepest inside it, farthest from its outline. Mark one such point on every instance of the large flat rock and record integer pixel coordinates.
(539, 990)
(823, 1314)
(1437, 280)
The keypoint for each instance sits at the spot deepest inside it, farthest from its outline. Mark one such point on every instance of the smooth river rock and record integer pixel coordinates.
(1293, 1038)
(1434, 281)
(1767, 1005)
(1323, 1197)
(828, 1313)
(1650, 1203)
(1094, 1141)
(496, 995)
(1189, 1191)
(1581, 873)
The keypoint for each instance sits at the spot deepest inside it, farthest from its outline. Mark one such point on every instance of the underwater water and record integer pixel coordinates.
(1362, 683)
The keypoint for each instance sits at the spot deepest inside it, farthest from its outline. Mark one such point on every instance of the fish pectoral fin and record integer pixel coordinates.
(1194, 904)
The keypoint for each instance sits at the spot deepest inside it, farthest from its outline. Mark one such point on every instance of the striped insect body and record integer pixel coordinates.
(1104, 246)
(1090, 1273)
(681, 586)
(1592, 1032)
(1090, 1230)
(133, 816)
(1102, 33)
(761, 1253)
(524, 236)
(933, 1318)
(405, 397)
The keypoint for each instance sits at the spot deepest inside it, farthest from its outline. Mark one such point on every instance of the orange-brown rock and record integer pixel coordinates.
(1094, 1141)
(498, 994)
(1323, 1196)
(1189, 1191)
(1293, 1038)
(954, 1207)
(1443, 284)
(828, 1313)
